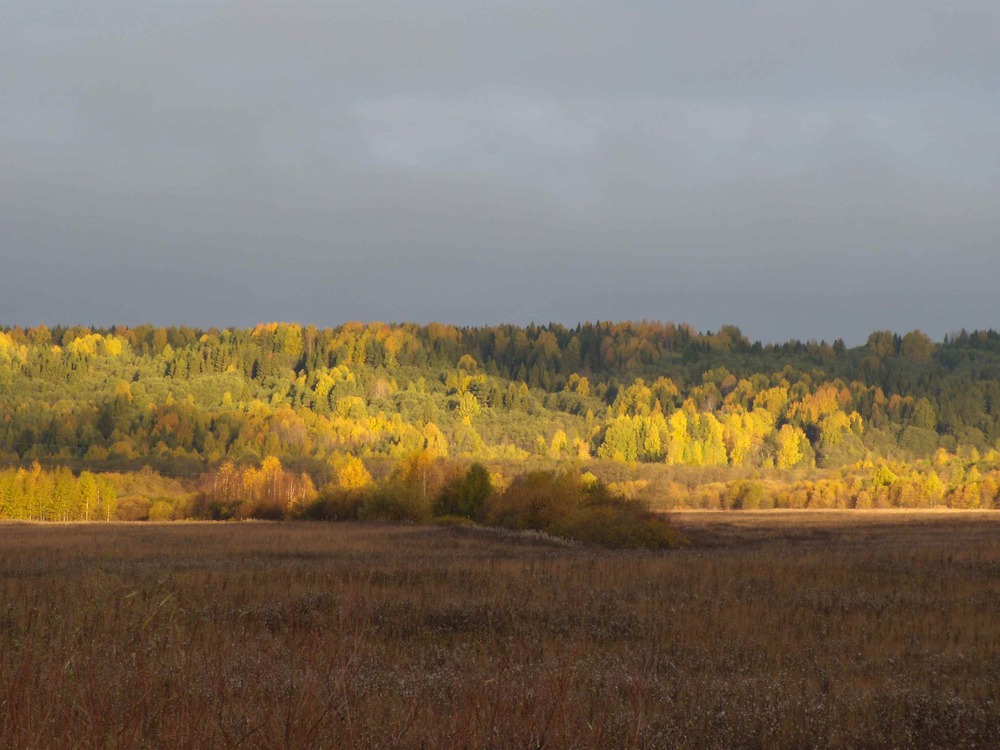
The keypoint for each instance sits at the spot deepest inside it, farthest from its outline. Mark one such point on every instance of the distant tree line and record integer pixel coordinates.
(189, 403)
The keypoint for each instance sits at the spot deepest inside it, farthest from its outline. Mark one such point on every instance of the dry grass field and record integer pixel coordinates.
(773, 630)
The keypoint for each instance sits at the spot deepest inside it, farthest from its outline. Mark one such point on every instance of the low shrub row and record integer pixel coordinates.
(565, 504)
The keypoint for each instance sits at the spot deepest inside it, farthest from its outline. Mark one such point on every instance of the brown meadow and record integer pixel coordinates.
(772, 630)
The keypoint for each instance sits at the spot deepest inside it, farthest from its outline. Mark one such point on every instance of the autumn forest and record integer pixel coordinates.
(409, 421)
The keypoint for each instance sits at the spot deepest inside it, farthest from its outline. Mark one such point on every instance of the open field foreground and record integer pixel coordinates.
(773, 630)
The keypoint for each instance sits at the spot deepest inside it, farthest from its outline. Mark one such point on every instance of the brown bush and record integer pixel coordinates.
(566, 505)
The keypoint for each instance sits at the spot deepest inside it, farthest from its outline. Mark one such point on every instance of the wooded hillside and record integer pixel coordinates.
(902, 410)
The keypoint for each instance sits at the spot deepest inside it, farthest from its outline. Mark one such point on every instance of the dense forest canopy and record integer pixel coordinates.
(191, 403)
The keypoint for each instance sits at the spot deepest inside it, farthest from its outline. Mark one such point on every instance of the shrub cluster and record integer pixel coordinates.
(563, 504)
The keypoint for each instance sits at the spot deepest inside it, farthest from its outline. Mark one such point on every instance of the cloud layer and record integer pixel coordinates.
(802, 169)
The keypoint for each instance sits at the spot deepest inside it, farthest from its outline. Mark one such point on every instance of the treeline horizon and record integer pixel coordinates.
(642, 402)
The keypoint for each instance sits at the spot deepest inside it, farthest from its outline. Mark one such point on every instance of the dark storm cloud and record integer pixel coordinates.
(806, 169)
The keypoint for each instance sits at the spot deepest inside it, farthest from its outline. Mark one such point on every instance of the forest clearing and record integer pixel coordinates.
(773, 629)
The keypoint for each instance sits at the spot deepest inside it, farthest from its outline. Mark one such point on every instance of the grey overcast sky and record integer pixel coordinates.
(800, 168)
